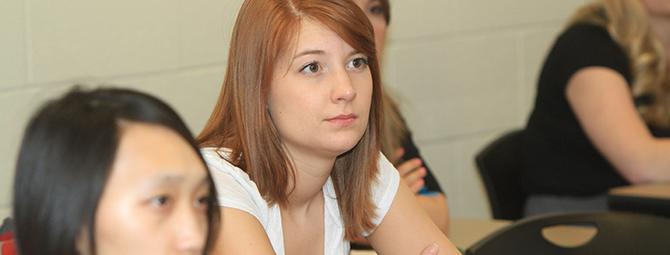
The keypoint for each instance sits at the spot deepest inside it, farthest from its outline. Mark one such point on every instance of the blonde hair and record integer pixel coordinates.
(240, 120)
(628, 24)
(394, 128)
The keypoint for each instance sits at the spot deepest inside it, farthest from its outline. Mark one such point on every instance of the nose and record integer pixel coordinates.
(191, 227)
(343, 89)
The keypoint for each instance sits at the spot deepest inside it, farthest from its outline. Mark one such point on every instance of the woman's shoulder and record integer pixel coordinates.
(387, 173)
(385, 188)
(221, 169)
(586, 35)
(583, 27)
(234, 187)
(218, 159)
(223, 153)
(583, 45)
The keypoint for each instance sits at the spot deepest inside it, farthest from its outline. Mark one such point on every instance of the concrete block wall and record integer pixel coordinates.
(465, 72)
(463, 69)
(174, 49)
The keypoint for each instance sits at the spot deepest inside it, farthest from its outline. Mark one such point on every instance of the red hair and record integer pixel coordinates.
(240, 121)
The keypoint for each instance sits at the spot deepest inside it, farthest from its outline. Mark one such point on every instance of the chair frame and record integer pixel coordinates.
(506, 202)
(618, 233)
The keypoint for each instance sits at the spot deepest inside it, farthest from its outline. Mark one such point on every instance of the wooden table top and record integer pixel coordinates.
(653, 190)
(463, 232)
(642, 198)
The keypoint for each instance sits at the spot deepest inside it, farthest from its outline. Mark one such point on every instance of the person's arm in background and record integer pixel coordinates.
(603, 104)
(421, 181)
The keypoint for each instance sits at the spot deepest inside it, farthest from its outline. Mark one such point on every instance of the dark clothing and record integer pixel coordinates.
(559, 158)
(411, 151)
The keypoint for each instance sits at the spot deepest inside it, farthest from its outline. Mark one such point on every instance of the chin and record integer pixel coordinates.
(339, 144)
(345, 147)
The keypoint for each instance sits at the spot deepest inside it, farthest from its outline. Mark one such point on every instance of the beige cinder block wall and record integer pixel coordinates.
(464, 69)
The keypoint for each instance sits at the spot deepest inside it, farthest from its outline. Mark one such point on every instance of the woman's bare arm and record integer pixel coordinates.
(241, 233)
(603, 104)
(407, 229)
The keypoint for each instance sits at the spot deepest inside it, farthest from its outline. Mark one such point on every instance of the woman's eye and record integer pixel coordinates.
(310, 68)
(377, 9)
(203, 201)
(358, 63)
(159, 201)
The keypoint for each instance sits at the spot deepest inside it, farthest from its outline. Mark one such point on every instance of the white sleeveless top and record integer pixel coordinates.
(236, 190)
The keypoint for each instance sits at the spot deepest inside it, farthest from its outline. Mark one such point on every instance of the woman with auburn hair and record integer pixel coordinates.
(397, 142)
(602, 107)
(293, 142)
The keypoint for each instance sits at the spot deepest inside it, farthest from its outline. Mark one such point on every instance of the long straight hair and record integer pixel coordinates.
(394, 128)
(240, 121)
(65, 160)
(627, 22)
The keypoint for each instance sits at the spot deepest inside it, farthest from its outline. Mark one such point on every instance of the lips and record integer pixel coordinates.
(343, 119)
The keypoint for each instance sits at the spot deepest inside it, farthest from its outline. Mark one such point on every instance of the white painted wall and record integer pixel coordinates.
(464, 69)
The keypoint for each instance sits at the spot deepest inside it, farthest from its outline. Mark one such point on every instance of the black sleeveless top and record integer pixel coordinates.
(559, 159)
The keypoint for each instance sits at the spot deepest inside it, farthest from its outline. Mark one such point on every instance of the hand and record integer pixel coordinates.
(431, 249)
(411, 171)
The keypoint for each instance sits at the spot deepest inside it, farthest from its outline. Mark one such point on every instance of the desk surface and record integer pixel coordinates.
(645, 198)
(464, 232)
(656, 190)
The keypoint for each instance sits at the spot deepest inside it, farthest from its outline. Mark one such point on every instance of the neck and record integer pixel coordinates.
(311, 173)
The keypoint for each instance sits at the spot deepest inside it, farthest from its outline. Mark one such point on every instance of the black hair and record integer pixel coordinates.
(64, 162)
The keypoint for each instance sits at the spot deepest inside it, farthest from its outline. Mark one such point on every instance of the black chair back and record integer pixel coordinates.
(617, 234)
(500, 168)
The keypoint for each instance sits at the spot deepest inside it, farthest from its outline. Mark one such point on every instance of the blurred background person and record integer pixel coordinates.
(602, 108)
(111, 171)
(397, 142)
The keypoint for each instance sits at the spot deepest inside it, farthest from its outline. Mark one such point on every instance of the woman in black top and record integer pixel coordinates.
(603, 99)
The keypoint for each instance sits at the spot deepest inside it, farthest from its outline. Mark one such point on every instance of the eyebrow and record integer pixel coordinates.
(321, 52)
(168, 179)
(309, 52)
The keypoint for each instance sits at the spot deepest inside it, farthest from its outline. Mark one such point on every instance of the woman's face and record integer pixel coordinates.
(320, 94)
(154, 201)
(375, 12)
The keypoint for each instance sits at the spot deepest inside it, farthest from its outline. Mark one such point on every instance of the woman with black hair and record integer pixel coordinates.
(111, 171)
